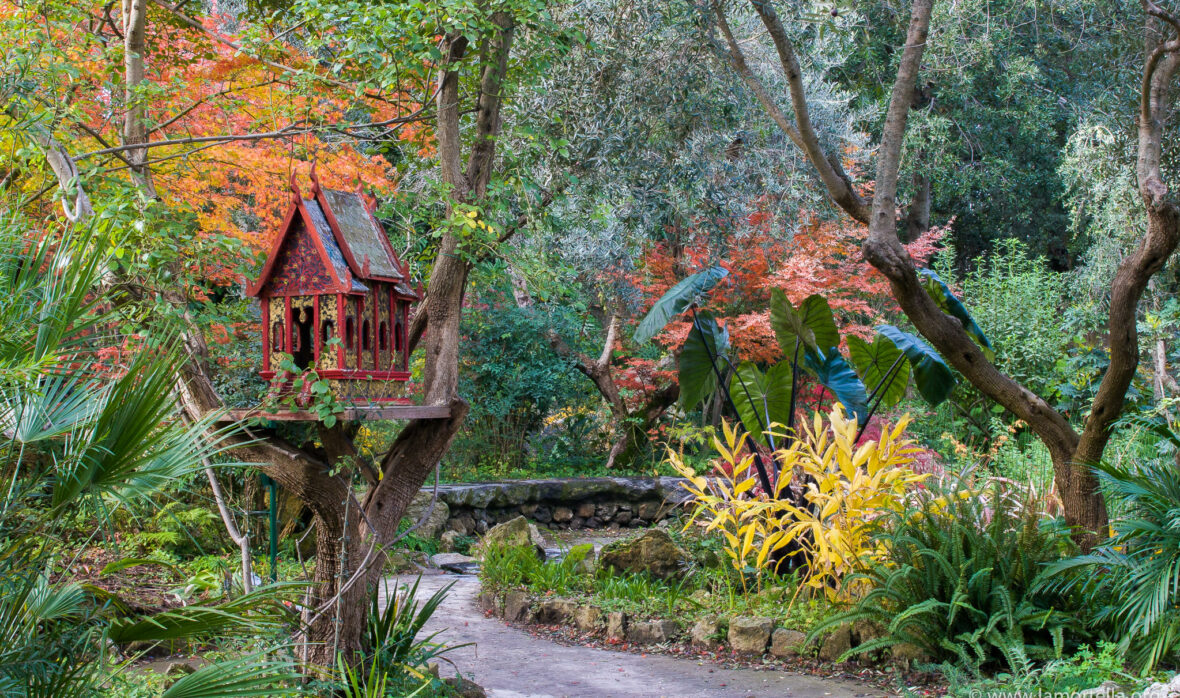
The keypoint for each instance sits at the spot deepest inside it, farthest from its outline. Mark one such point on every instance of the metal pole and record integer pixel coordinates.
(273, 513)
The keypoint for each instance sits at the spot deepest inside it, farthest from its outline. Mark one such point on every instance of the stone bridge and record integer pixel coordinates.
(589, 503)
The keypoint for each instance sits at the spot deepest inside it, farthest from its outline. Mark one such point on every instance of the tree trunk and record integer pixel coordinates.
(135, 116)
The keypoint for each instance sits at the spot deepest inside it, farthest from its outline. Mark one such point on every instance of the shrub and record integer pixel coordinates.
(960, 580)
(844, 487)
(518, 566)
(1132, 580)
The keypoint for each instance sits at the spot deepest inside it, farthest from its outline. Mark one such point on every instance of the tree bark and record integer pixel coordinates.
(135, 116)
(631, 425)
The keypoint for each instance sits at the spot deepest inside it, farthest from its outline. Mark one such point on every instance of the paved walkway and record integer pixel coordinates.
(511, 663)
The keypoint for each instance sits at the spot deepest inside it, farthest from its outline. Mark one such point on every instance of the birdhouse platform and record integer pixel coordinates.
(350, 414)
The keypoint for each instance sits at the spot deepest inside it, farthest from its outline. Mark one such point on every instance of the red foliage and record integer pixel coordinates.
(821, 257)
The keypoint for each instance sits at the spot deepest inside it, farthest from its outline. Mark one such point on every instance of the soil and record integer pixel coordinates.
(514, 662)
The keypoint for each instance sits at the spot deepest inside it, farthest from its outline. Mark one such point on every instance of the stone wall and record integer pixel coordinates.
(580, 503)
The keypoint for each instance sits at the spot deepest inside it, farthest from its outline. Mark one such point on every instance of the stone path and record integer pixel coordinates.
(511, 663)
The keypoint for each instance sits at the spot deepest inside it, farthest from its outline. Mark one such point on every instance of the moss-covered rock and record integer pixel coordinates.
(511, 534)
(652, 552)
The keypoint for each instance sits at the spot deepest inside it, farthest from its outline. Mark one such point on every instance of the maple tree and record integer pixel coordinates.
(822, 256)
(185, 128)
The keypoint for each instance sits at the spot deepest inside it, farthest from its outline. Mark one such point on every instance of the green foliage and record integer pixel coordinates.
(82, 435)
(951, 305)
(1018, 301)
(677, 300)
(1132, 580)
(961, 580)
(1070, 675)
(394, 651)
(696, 364)
(515, 567)
(761, 398)
(875, 362)
(810, 326)
(932, 376)
(507, 362)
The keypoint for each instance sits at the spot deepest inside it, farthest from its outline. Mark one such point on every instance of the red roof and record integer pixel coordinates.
(350, 241)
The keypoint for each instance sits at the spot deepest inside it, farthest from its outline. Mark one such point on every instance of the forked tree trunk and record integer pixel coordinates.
(1073, 455)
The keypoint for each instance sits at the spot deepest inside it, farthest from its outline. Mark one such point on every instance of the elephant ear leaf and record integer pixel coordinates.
(951, 305)
(812, 324)
(761, 399)
(706, 341)
(676, 301)
(932, 376)
(874, 362)
(835, 374)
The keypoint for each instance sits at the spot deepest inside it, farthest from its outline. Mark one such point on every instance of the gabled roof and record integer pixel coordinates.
(351, 241)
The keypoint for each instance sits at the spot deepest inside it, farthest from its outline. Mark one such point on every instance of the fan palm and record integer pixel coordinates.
(73, 435)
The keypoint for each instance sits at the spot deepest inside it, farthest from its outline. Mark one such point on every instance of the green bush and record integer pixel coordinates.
(519, 566)
(1133, 580)
(1068, 676)
(1018, 301)
(961, 579)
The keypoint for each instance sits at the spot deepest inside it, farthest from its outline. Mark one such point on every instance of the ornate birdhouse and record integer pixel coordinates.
(336, 298)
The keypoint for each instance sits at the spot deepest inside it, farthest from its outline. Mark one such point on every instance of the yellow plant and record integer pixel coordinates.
(844, 488)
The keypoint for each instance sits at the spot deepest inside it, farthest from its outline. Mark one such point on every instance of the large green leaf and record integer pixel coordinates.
(837, 376)
(697, 377)
(932, 376)
(249, 613)
(874, 361)
(256, 674)
(761, 399)
(811, 324)
(951, 305)
(676, 301)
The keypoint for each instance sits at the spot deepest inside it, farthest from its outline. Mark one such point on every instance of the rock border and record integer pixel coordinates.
(750, 637)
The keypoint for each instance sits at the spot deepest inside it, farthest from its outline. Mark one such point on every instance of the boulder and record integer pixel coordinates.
(510, 534)
(648, 510)
(749, 635)
(706, 632)
(653, 552)
(562, 514)
(587, 618)
(516, 606)
(616, 625)
(448, 541)
(399, 561)
(583, 558)
(787, 643)
(554, 611)
(864, 631)
(464, 688)
(836, 644)
(176, 671)
(907, 654)
(652, 632)
(585, 510)
(490, 601)
(436, 521)
(1166, 689)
